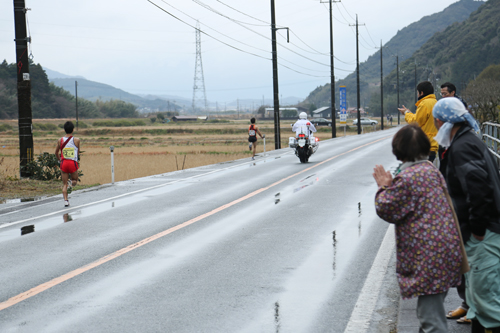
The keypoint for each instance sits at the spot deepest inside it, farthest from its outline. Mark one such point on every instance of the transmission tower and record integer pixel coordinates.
(199, 93)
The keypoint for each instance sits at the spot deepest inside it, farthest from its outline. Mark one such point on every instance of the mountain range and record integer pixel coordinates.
(93, 91)
(404, 44)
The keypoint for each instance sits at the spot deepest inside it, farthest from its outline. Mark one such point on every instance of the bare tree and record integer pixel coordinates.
(483, 98)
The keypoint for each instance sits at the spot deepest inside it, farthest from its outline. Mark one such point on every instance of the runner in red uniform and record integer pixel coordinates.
(253, 130)
(67, 151)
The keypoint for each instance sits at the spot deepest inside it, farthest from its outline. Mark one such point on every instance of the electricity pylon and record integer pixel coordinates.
(199, 93)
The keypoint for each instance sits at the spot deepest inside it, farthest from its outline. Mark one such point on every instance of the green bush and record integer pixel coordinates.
(45, 167)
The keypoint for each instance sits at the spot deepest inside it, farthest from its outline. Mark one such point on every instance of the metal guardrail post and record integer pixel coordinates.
(491, 139)
(112, 148)
(495, 143)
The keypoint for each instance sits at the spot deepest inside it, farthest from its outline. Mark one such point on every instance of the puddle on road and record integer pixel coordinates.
(360, 219)
(277, 321)
(334, 242)
(67, 218)
(28, 229)
(310, 182)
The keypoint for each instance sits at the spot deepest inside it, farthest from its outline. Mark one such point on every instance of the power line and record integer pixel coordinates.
(369, 48)
(267, 23)
(258, 33)
(231, 46)
(370, 36)
(347, 63)
(347, 11)
(336, 19)
(293, 70)
(346, 20)
(229, 18)
(177, 18)
(314, 70)
(315, 51)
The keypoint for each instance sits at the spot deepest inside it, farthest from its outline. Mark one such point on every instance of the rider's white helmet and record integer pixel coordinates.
(302, 115)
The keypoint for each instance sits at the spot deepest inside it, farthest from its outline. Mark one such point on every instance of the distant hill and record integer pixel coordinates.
(404, 43)
(56, 75)
(457, 54)
(460, 52)
(93, 91)
(51, 101)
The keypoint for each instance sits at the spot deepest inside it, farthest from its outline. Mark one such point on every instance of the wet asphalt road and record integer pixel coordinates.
(270, 245)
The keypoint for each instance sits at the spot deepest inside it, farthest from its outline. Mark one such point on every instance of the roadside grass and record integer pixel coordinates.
(11, 187)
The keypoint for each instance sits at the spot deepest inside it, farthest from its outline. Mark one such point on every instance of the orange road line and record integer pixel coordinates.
(47, 285)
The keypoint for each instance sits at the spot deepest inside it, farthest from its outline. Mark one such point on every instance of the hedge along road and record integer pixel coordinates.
(245, 246)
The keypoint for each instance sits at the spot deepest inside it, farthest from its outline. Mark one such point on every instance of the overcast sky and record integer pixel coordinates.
(136, 46)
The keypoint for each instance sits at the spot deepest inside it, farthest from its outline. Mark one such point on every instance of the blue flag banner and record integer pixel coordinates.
(343, 105)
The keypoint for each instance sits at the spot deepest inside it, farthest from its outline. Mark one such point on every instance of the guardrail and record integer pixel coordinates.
(491, 137)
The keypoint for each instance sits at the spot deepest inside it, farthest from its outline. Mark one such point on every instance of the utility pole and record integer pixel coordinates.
(23, 87)
(76, 103)
(357, 73)
(332, 75)
(381, 90)
(277, 134)
(332, 78)
(416, 82)
(397, 84)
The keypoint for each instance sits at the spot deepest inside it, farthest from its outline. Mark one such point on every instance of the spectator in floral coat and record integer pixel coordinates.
(427, 238)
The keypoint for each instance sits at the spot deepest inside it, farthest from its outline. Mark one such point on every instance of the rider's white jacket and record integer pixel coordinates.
(303, 126)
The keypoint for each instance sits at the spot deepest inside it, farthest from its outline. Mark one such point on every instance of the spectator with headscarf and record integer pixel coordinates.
(473, 181)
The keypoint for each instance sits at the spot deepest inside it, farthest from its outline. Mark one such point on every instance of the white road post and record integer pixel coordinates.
(112, 148)
(264, 138)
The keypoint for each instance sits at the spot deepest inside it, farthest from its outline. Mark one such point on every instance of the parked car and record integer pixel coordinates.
(365, 121)
(321, 122)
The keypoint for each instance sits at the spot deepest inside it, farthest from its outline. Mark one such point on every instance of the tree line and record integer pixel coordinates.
(51, 101)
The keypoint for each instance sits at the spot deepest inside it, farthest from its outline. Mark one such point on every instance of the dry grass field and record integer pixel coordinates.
(147, 150)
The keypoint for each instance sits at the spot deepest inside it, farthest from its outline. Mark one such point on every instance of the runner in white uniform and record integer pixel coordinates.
(67, 154)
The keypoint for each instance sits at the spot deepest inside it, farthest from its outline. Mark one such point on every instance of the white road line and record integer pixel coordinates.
(126, 194)
(367, 300)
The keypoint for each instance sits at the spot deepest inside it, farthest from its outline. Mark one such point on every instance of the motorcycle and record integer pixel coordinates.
(304, 145)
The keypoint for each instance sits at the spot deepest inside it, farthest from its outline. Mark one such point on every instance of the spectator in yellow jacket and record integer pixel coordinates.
(423, 115)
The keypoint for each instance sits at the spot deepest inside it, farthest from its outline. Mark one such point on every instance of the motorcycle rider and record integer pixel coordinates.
(303, 126)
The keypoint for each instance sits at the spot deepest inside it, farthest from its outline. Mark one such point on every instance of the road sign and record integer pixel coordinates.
(343, 105)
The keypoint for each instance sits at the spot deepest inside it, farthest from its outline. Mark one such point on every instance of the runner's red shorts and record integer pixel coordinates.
(69, 166)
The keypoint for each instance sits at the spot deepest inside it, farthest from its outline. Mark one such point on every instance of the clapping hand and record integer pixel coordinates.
(382, 177)
(403, 110)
